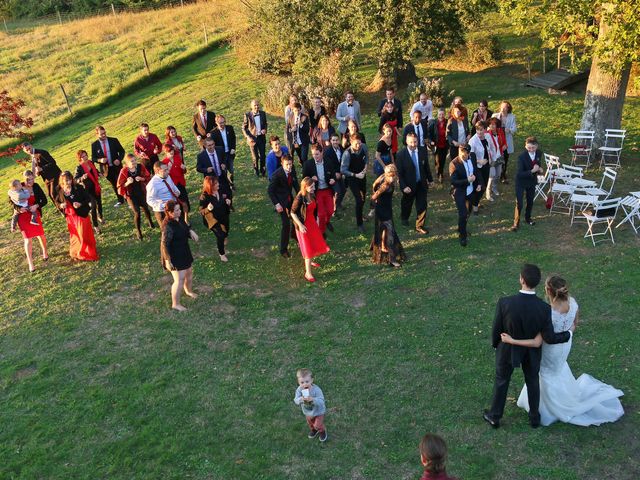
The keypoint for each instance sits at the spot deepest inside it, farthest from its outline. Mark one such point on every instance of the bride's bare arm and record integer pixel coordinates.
(531, 343)
(575, 321)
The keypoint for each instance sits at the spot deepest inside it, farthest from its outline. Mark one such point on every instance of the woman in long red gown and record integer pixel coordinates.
(37, 200)
(305, 218)
(74, 202)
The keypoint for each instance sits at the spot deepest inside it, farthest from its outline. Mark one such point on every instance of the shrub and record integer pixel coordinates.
(483, 49)
(434, 88)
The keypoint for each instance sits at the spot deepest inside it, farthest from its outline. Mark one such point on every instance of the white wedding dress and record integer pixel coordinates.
(584, 401)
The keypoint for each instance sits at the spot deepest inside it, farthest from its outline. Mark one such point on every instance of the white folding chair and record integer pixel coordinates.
(566, 172)
(631, 207)
(578, 203)
(612, 149)
(561, 193)
(606, 184)
(581, 150)
(604, 214)
(553, 163)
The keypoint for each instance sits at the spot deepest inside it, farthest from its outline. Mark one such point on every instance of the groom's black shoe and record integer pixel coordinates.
(534, 422)
(490, 421)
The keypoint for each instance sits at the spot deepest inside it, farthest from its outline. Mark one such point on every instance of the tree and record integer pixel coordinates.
(11, 122)
(608, 31)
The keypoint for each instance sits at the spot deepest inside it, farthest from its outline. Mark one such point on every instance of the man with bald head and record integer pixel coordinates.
(254, 127)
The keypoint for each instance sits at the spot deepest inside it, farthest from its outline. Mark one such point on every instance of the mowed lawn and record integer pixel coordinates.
(99, 379)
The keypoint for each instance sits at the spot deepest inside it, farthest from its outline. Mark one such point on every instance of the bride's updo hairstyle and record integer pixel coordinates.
(557, 288)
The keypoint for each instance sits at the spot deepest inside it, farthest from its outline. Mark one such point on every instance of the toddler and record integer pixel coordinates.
(19, 197)
(311, 400)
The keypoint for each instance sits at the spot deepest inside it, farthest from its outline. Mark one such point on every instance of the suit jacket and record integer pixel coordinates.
(523, 316)
(396, 103)
(409, 128)
(310, 170)
(330, 157)
(249, 125)
(116, 150)
(524, 177)
(203, 162)
(279, 189)
(231, 137)
(201, 130)
(459, 180)
(342, 112)
(49, 167)
(407, 170)
(452, 130)
(303, 130)
(432, 131)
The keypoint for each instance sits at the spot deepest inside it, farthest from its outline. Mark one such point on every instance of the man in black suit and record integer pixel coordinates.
(414, 175)
(225, 136)
(43, 164)
(417, 126)
(203, 122)
(282, 189)
(333, 156)
(324, 175)
(109, 154)
(522, 316)
(528, 169)
(254, 127)
(390, 96)
(210, 163)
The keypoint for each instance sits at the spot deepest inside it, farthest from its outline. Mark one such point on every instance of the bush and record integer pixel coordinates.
(483, 49)
(434, 88)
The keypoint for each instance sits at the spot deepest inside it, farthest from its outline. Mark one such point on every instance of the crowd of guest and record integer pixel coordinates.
(332, 161)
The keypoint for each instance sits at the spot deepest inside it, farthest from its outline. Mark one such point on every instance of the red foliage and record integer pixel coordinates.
(11, 122)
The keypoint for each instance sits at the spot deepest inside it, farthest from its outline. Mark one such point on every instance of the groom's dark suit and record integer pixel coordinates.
(522, 316)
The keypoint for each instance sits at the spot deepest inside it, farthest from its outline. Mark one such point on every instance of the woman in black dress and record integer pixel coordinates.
(132, 183)
(386, 245)
(176, 254)
(214, 208)
(352, 129)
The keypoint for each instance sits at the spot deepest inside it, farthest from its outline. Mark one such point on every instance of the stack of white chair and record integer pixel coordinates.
(612, 149)
(586, 195)
(602, 217)
(631, 207)
(563, 188)
(553, 164)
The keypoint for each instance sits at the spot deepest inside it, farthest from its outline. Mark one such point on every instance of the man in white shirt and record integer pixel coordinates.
(424, 105)
(160, 190)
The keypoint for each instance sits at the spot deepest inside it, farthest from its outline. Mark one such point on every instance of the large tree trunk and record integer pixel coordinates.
(398, 78)
(605, 96)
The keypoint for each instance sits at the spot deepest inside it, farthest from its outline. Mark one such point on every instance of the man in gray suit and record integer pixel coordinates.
(349, 109)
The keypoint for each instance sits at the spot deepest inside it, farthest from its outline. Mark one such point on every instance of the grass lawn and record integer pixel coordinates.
(99, 379)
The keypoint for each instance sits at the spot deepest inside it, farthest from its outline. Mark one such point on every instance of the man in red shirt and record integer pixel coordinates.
(147, 146)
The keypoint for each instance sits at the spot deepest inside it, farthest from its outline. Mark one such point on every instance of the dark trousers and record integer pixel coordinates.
(501, 386)
(406, 204)
(340, 189)
(221, 233)
(358, 187)
(520, 193)
(440, 160)
(96, 207)
(52, 188)
(135, 205)
(112, 177)
(483, 173)
(229, 162)
(453, 152)
(302, 151)
(258, 155)
(503, 175)
(285, 230)
(463, 204)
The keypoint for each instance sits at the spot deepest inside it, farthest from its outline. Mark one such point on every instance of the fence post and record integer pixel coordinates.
(544, 61)
(6, 29)
(182, 3)
(146, 63)
(113, 10)
(559, 58)
(529, 67)
(206, 38)
(66, 99)
(59, 17)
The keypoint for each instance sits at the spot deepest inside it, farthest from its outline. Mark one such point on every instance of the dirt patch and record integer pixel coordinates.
(26, 372)
(262, 252)
(358, 302)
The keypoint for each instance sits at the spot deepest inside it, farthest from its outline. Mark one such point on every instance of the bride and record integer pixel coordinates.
(583, 401)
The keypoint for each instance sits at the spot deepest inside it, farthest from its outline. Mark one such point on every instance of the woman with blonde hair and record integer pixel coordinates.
(305, 218)
(385, 245)
(583, 401)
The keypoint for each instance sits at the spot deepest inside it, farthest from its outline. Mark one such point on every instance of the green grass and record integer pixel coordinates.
(99, 379)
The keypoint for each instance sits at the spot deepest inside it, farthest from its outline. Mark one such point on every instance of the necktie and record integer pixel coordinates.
(105, 150)
(170, 190)
(214, 163)
(415, 163)
(289, 179)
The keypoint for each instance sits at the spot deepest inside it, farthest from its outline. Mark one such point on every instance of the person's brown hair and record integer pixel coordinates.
(79, 154)
(304, 188)
(316, 147)
(207, 184)
(557, 288)
(508, 104)
(480, 124)
(433, 450)
(168, 209)
(167, 137)
(531, 141)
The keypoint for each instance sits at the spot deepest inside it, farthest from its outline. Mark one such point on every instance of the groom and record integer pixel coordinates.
(522, 316)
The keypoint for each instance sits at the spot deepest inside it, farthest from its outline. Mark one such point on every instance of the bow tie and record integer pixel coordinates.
(256, 114)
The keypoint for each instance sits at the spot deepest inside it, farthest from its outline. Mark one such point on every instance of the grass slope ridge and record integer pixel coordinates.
(98, 379)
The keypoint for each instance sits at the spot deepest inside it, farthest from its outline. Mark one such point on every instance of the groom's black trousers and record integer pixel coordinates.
(504, 369)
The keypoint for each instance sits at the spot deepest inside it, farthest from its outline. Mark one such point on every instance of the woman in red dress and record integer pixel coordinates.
(171, 137)
(74, 202)
(177, 169)
(87, 176)
(305, 219)
(37, 200)
(389, 117)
